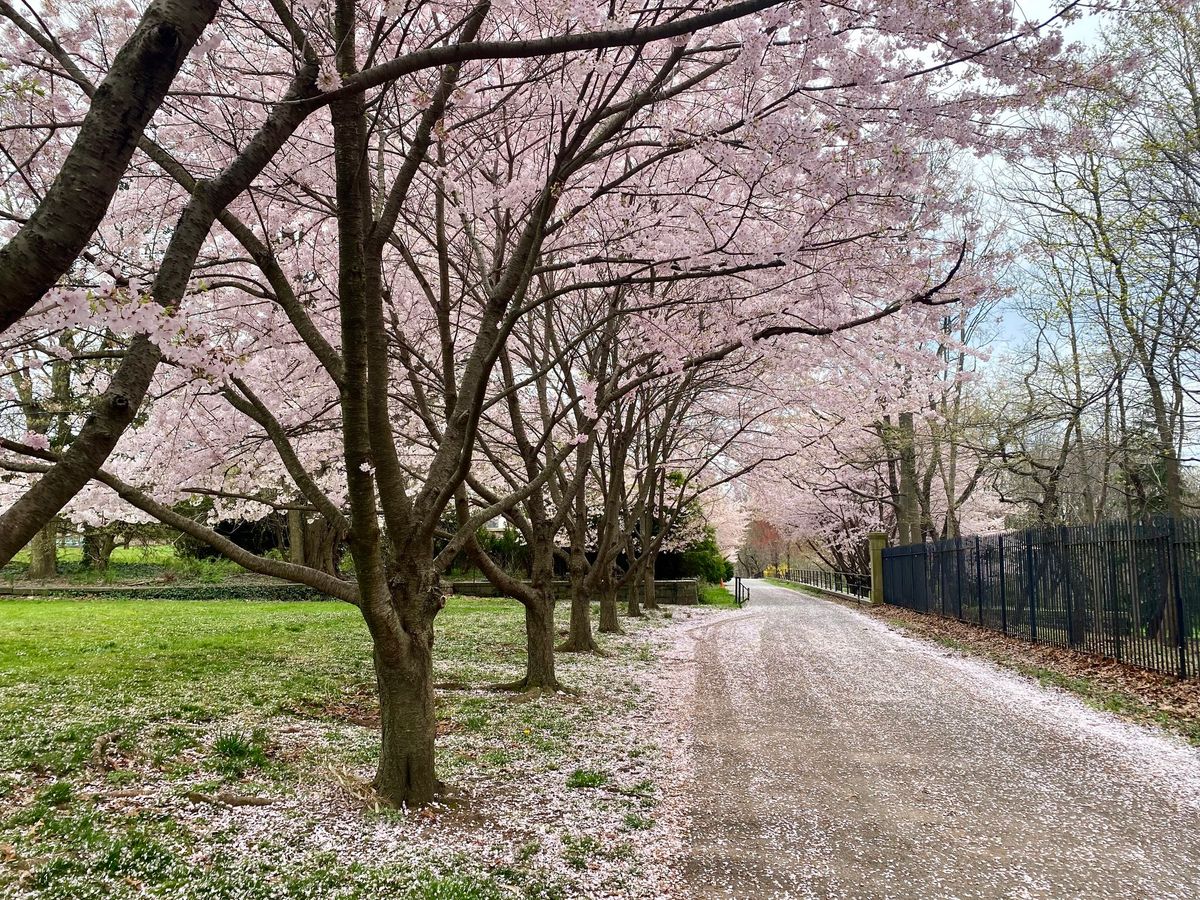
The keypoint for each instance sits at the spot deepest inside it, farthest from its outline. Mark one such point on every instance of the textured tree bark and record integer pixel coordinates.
(295, 522)
(648, 597)
(323, 545)
(579, 637)
(98, 544)
(43, 553)
(579, 634)
(539, 612)
(46, 246)
(539, 645)
(408, 723)
(400, 619)
(609, 623)
(633, 593)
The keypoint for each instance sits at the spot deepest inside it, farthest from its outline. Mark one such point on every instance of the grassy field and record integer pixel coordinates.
(124, 723)
(127, 565)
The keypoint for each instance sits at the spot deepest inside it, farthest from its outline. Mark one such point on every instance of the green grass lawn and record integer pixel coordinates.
(138, 554)
(103, 701)
(715, 595)
(149, 563)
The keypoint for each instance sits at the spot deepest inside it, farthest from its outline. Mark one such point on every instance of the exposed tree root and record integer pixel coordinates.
(532, 692)
(225, 798)
(443, 795)
(101, 747)
(569, 647)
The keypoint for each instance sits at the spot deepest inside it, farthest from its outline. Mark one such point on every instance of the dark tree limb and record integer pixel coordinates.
(48, 244)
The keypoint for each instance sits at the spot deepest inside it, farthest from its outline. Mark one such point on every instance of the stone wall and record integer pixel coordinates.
(681, 592)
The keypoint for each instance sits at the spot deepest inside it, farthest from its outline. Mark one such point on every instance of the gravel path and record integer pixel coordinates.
(835, 757)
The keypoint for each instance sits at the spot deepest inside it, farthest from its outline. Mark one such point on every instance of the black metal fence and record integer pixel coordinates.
(741, 593)
(1125, 590)
(854, 584)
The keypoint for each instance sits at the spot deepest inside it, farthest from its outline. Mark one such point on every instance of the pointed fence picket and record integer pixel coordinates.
(1127, 590)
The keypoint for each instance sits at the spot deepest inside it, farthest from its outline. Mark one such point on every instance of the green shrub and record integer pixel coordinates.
(701, 559)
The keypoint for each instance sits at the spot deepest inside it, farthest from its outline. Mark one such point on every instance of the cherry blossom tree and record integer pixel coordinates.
(49, 241)
(256, 34)
(369, 203)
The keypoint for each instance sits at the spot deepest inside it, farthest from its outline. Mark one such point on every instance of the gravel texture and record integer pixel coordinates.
(835, 757)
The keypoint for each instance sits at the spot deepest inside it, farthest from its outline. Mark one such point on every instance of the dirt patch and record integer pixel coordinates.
(359, 706)
(354, 709)
(1136, 694)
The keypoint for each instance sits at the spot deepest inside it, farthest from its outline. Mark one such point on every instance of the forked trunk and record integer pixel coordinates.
(401, 626)
(539, 613)
(579, 638)
(43, 554)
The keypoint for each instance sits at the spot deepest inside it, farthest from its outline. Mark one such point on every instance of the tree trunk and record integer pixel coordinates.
(909, 512)
(539, 643)
(649, 600)
(323, 545)
(295, 523)
(405, 774)
(98, 546)
(579, 638)
(609, 624)
(539, 614)
(633, 595)
(43, 553)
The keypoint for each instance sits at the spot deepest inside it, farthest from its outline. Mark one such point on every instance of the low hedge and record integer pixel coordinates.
(284, 592)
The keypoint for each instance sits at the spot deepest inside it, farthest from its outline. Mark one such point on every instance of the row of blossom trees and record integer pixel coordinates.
(401, 268)
(1081, 404)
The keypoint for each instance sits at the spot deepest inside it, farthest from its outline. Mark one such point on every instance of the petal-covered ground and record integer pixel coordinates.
(835, 757)
(139, 740)
(796, 748)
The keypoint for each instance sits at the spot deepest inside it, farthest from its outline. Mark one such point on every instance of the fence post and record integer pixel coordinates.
(1111, 593)
(1032, 580)
(1180, 623)
(978, 581)
(1064, 565)
(876, 541)
(958, 575)
(925, 607)
(1003, 589)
